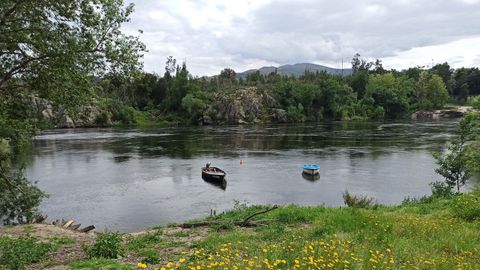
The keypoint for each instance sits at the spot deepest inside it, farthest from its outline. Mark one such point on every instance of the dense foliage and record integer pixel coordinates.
(55, 50)
(461, 158)
(371, 92)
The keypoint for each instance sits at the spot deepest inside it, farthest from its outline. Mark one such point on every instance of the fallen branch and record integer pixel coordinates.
(244, 223)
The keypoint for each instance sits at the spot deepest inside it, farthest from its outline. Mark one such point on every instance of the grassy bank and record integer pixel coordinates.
(431, 233)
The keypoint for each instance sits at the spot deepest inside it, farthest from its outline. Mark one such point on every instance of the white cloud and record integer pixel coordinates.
(215, 34)
(461, 53)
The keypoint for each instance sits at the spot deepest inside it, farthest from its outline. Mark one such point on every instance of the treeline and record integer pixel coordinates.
(371, 92)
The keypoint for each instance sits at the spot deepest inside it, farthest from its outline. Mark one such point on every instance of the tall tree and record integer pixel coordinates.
(390, 93)
(227, 75)
(56, 49)
(430, 92)
(444, 71)
(358, 81)
(359, 64)
(462, 156)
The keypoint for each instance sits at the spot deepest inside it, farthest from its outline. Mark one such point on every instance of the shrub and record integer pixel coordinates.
(295, 113)
(18, 253)
(467, 206)
(107, 245)
(19, 198)
(441, 189)
(358, 201)
(126, 115)
(422, 200)
(474, 102)
(103, 119)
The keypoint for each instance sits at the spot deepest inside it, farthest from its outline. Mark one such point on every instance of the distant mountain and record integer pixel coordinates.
(297, 70)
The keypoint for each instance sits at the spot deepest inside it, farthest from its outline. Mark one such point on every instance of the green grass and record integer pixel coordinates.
(432, 233)
(145, 241)
(179, 234)
(428, 233)
(100, 264)
(17, 253)
(60, 241)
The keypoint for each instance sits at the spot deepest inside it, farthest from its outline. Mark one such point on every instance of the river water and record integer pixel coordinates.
(132, 179)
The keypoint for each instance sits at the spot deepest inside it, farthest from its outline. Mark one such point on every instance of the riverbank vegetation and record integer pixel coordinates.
(435, 232)
(371, 92)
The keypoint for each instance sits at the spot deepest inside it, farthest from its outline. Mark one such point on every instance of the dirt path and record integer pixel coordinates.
(179, 239)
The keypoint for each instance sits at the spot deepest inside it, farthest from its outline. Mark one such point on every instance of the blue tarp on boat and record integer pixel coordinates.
(311, 167)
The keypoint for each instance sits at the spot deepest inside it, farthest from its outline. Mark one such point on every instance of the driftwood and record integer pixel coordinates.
(87, 229)
(74, 227)
(66, 224)
(244, 223)
(41, 219)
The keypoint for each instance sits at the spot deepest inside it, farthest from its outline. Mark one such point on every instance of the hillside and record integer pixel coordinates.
(296, 70)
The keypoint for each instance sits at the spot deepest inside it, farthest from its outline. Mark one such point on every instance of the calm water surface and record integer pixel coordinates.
(131, 179)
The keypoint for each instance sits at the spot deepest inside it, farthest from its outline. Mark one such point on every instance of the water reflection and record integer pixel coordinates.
(311, 177)
(219, 184)
(120, 159)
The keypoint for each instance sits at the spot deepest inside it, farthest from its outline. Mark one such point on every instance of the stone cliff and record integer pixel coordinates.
(87, 116)
(241, 106)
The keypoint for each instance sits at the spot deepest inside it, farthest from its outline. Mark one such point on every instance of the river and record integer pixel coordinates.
(132, 179)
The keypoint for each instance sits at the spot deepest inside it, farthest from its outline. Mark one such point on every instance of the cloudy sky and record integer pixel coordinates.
(242, 34)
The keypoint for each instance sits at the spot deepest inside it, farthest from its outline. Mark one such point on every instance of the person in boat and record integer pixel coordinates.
(210, 169)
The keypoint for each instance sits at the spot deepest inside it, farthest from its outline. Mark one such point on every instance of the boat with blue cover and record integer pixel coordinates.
(311, 169)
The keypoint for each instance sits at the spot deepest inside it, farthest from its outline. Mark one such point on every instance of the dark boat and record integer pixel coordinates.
(311, 177)
(219, 184)
(213, 174)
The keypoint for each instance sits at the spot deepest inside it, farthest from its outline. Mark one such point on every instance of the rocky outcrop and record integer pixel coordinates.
(241, 106)
(442, 114)
(88, 116)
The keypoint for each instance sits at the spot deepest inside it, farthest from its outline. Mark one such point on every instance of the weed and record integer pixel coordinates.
(17, 253)
(358, 201)
(150, 256)
(107, 245)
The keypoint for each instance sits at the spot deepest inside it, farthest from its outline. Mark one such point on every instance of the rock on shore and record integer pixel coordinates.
(442, 114)
(241, 106)
(88, 115)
